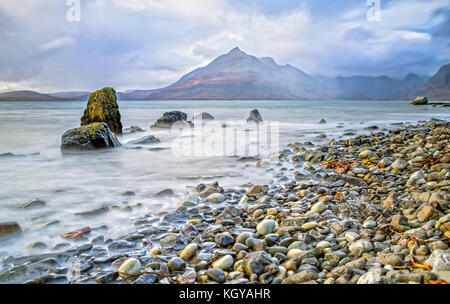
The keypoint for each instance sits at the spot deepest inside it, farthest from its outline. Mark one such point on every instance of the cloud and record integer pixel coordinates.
(145, 44)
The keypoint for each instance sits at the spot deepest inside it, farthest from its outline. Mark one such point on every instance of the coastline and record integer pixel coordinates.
(317, 225)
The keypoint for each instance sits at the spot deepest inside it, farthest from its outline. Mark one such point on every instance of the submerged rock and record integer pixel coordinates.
(144, 140)
(169, 118)
(203, 116)
(419, 101)
(87, 138)
(9, 228)
(255, 116)
(34, 203)
(102, 107)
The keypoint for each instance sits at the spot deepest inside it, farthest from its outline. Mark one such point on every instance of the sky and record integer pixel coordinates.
(147, 44)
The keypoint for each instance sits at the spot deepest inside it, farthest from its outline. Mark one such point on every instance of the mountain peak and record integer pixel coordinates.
(236, 50)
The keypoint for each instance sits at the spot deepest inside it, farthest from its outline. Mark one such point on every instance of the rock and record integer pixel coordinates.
(255, 116)
(146, 279)
(351, 236)
(169, 118)
(419, 101)
(36, 246)
(414, 178)
(133, 129)
(9, 228)
(301, 277)
(216, 274)
(189, 200)
(202, 116)
(89, 137)
(34, 203)
(130, 267)
(322, 121)
(428, 213)
(146, 140)
(164, 193)
(390, 259)
(367, 154)
(205, 191)
(318, 207)
(176, 264)
(216, 198)
(73, 235)
(363, 245)
(102, 107)
(399, 164)
(439, 260)
(438, 245)
(224, 262)
(256, 192)
(389, 202)
(189, 251)
(93, 212)
(255, 262)
(310, 225)
(371, 277)
(266, 227)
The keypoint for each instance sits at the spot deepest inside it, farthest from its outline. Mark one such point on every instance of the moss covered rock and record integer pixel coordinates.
(419, 101)
(90, 137)
(170, 118)
(102, 107)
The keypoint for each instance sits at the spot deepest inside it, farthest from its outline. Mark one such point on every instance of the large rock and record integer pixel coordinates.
(419, 101)
(169, 118)
(204, 116)
(255, 116)
(146, 140)
(102, 107)
(90, 137)
(9, 228)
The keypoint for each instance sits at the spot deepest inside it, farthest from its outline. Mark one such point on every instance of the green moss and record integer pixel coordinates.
(102, 107)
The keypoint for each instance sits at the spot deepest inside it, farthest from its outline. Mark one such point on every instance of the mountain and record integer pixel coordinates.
(437, 87)
(77, 95)
(29, 96)
(237, 75)
(369, 88)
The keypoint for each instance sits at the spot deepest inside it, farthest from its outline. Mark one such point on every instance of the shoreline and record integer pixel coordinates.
(318, 226)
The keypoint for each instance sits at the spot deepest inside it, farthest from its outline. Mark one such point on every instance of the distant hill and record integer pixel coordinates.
(29, 96)
(437, 87)
(237, 75)
(76, 95)
(369, 88)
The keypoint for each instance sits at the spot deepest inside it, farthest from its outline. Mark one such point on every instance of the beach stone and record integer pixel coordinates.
(439, 260)
(422, 100)
(414, 178)
(256, 192)
(224, 240)
(176, 264)
(266, 227)
(216, 198)
(301, 277)
(390, 259)
(438, 245)
(9, 228)
(204, 116)
(216, 274)
(276, 249)
(34, 203)
(146, 279)
(369, 224)
(133, 129)
(102, 107)
(76, 234)
(36, 246)
(132, 266)
(224, 262)
(399, 164)
(255, 116)
(351, 236)
(255, 262)
(318, 207)
(89, 137)
(310, 225)
(189, 251)
(428, 213)
(189, 200)
(373, 276)
(362, 245)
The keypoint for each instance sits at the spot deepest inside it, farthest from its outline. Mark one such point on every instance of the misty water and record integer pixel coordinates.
(83, 182)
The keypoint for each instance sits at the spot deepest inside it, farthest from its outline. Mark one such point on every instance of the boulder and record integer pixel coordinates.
(169, 118)
(9, 228)
(144, 140)
(419, 101)
(102, 107)
(90, 137)
(255, 116)
(202, 116)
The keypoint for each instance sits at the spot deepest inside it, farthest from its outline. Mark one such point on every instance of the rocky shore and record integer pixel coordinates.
(373, 209)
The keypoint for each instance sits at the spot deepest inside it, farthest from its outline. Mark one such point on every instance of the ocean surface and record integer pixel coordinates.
(84, 182)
